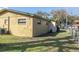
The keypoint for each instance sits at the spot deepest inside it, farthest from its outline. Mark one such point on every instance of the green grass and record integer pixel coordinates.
(50, 42)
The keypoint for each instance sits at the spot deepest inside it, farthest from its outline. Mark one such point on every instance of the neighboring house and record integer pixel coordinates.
(22, 24)
(52, 26)
(76, 24)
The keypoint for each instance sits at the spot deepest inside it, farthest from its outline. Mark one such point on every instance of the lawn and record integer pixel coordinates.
(55, 42)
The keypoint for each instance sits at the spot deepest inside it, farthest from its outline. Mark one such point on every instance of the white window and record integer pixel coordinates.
(21, 21)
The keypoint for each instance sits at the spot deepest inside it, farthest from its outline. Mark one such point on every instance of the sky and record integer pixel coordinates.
(70, 10)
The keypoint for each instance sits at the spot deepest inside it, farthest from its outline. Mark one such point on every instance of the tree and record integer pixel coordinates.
(60, 16)
(43, 14)
(71, 19)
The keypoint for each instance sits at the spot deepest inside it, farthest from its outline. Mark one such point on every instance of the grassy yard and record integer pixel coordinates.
(50, 42)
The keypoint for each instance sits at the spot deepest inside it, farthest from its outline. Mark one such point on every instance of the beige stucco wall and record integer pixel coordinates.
(30, 29)
(15, 28)
(39, 29)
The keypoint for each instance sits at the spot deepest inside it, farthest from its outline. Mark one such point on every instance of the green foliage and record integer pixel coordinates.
(49, 42)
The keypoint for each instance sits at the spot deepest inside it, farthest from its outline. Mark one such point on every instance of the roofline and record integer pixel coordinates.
(23, 13)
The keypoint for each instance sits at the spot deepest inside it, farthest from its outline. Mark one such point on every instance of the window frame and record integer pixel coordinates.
(39, 21)
(22, 21)
(6, 21)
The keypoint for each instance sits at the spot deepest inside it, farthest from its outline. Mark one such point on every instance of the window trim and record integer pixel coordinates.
(6, 21)
(22, 21)
(38, 21)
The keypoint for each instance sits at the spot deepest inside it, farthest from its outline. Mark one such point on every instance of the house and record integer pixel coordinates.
(76, 24)
(22, 24)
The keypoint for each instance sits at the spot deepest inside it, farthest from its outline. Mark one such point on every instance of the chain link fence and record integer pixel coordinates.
(75, 35)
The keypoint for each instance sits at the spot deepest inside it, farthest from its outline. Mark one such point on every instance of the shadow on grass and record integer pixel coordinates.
(22, 46)
(51, 34)
(60, 43)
